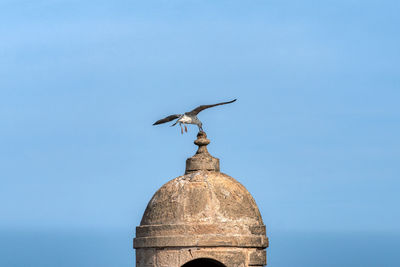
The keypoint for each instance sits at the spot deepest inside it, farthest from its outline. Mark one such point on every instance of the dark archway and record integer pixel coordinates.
(203, 262)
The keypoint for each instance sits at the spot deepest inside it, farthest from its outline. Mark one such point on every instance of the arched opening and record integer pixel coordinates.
(203, 262)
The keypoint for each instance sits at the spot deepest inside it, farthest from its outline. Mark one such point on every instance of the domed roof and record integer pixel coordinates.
(202, 197)
(204, 207)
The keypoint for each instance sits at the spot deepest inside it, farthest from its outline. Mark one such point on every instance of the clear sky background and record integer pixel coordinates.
(314, 135)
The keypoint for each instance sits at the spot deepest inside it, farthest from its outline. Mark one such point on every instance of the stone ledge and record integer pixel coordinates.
(201, 241)
(199, 229)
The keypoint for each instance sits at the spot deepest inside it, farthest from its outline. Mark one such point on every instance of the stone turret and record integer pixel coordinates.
(203, 218)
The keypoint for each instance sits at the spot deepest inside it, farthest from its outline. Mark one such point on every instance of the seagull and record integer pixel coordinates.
(189, 117)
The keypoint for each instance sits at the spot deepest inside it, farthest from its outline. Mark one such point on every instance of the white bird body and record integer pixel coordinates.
(186, 119)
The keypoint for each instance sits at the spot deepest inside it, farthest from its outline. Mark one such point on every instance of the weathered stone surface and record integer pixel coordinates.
(145, 257)
(167, 257)
(202, 196)
(202, 214)
(258, 257)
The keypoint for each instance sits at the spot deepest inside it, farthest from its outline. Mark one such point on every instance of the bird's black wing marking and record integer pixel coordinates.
(203, 107)
(167, 119)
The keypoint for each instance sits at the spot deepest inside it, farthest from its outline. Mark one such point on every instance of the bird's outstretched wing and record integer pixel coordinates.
(167, 119)
(203, 107)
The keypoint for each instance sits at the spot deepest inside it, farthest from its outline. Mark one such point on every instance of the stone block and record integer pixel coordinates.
(168, 258)
(258, 258)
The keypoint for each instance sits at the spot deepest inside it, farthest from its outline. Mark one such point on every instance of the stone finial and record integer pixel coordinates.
(202, 160)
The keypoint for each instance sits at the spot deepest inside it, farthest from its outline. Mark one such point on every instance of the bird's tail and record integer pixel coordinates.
(174, 123)
(180, 116)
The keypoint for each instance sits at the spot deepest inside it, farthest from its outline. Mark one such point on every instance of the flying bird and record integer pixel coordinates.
(189, 117)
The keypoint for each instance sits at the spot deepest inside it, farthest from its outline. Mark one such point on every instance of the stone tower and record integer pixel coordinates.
(203, 218)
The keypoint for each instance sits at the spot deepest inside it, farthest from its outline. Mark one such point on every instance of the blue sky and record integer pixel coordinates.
(314, 135)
